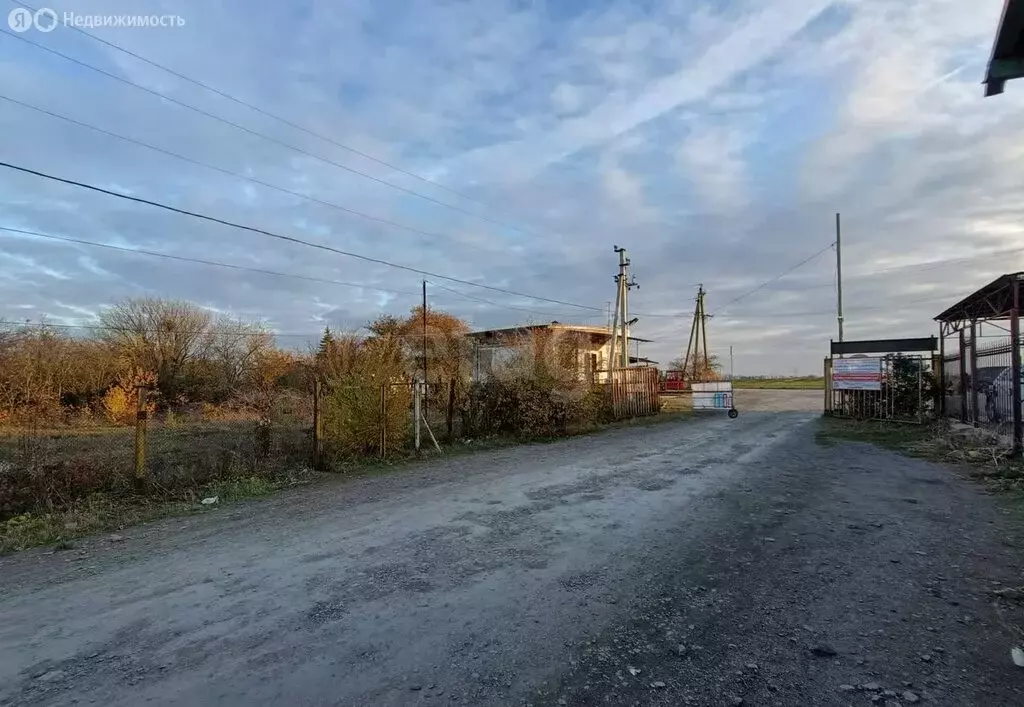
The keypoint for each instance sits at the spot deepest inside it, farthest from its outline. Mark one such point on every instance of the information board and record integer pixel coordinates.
(857, 373)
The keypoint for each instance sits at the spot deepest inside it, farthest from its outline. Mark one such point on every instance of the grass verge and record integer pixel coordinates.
(938, 442)
(102, 512)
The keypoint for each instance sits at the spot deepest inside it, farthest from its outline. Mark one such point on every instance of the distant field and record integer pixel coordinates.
(780, 383)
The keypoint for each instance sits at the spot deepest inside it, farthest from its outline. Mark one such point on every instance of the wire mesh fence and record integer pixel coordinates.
(50, 459)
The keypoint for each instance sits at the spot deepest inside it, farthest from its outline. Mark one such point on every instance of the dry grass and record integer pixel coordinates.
(102, 512)
(52, 470)
(984, 455)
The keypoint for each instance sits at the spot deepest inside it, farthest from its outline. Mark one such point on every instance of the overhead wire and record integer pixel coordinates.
(263, 271)
(274, 116)
(258, 134)
(774, 279)
(201, 261)
(289, 239)
(283, 190)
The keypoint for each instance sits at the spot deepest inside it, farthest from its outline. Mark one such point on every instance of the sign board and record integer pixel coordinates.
(857, 373)
(712, 395)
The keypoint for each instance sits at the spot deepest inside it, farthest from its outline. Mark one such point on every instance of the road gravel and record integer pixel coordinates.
(707, 562)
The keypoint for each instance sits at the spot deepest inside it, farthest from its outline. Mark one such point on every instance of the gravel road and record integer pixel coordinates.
(711, 562)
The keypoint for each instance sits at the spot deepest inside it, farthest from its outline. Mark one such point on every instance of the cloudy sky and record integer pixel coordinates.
(715, 139)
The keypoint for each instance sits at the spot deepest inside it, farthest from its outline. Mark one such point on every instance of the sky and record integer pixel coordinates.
(714, 139)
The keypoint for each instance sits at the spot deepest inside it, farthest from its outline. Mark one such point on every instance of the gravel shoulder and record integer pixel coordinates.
(541, 575)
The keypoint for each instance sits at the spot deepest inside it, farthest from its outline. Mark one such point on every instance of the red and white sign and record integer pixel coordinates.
(856, 374)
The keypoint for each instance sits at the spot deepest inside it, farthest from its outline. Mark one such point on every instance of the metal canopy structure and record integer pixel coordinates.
(963, 374)
(1007, 60)
(996, 300)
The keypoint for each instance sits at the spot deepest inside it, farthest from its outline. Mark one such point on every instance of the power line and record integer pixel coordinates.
(283, 190)
(915, 267)
(274, 116)
(289, 239)
(504, 306)
(263, 136)
(775, 279)
(214, 263)
(831, 312)
(200, 261)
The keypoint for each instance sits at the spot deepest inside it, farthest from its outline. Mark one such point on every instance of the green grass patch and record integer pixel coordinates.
(901, 437)
(800, 383)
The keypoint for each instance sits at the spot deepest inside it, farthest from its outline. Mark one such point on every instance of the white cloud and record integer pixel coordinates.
(712, 157)
(715, 142)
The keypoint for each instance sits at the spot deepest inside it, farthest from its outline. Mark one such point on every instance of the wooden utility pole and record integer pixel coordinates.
(424, 331)
(839, 277)
(704, 330)
(697, 344)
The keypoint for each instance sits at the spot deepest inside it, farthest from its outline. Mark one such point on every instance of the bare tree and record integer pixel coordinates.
(158, 336)
(232, 348)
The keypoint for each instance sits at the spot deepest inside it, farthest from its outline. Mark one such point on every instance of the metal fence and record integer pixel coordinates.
(978, 379)
(904, 391)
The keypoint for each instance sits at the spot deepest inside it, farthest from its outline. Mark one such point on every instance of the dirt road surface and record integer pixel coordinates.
(711, 562)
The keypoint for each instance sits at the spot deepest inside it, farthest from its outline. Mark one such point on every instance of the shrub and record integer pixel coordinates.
(532, 407)
(120, 402)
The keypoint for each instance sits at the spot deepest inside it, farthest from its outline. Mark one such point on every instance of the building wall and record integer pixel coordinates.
(489, 356)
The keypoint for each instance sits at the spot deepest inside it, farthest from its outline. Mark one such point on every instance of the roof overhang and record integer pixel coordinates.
(996, 300)
(594, 332)
(1007, 60)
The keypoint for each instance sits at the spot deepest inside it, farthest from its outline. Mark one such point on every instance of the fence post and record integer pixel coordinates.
(827, 370)
(450, 421)
(939, 370)
(963, 377)
(384, 421)
(140, 431)
(318, 429)
(416, 406)
(974, 373)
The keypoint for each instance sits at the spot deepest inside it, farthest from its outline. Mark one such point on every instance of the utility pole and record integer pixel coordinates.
(621, 321)
(704, 329)
(612, 360)
(839, 277)
(698, 340)
(424, 331)
(731, 369)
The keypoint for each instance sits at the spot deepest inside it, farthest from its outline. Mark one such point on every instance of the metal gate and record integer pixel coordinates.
(900, 391)
(634, 391)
